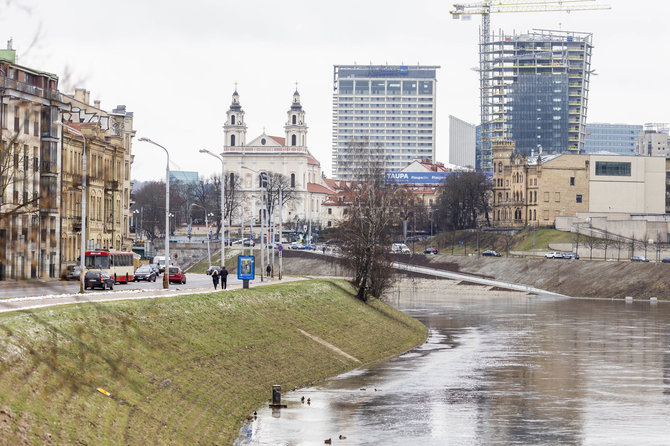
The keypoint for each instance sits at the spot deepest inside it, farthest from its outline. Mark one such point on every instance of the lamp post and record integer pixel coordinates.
(207, 214)
(223, 214)
(82, 253)
(263, 181)
(166, 281)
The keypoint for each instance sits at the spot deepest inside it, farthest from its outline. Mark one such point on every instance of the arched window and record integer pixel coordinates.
(232, 119)
(293, 140)
(293, 120)
(499, 167)
(499, 198)
(232, 140)
(232, 180)
(262, 180)
(292, 180)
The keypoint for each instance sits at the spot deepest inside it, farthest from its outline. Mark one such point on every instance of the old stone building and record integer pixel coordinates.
(29, 171)
(109, 159)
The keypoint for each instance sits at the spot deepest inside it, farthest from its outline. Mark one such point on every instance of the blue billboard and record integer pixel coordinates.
(246, 267)
(416, 177)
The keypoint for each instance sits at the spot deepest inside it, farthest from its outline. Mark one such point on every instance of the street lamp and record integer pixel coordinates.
(263, 182)
(82, 253)
(223, 214)
(166, 281)
(207, 233)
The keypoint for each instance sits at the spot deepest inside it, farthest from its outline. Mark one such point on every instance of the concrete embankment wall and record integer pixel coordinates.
(577, 278)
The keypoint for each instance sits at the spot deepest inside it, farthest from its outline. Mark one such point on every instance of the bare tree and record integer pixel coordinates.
(463, 199)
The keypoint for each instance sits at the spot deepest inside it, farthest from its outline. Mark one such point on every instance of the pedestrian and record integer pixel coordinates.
(224, 277)
(268, 270)
(324, 248)
(215, 278)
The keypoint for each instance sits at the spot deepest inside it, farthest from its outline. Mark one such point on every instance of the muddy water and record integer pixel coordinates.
(498, 368)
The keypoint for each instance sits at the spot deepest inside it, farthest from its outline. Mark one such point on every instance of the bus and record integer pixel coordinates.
(118, 264)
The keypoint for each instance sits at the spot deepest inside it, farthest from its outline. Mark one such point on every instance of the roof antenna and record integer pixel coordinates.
(9, 43)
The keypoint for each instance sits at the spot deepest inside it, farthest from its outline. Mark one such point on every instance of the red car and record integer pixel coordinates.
(176, 275)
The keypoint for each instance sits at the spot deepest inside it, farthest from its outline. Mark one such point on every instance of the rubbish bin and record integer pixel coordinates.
(276, 395)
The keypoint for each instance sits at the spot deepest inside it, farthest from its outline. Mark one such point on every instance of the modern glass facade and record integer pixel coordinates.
(388, 110)
(616, 138)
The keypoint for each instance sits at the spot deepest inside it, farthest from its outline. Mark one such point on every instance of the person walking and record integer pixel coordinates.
(215, 278)
(224, 278)
(268, 270)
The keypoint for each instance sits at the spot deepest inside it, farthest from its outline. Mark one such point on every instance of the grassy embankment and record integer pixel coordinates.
(180, 370)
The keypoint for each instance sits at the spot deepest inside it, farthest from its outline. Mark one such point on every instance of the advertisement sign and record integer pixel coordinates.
(246, 267)
(417, 177)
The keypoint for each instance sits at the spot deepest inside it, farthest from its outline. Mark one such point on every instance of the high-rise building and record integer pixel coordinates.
(653, 140)
(462, 145)
(615, 138)
(388, 110)
(534, 91)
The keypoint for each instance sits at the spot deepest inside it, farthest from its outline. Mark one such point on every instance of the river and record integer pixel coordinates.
(498, 368)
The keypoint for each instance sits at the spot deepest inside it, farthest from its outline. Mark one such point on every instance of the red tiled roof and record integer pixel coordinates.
(311, 160)
(281, 141)
(318, 189)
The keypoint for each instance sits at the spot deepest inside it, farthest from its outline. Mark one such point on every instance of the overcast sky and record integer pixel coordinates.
(175, 64)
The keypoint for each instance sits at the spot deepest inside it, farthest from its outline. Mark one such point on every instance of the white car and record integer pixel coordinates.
(554, 255)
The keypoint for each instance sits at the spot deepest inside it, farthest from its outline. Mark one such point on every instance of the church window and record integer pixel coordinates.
(232, 140)
(293, 140)
(294, 119)
(232, 119)
(292, 180)
(263, 141)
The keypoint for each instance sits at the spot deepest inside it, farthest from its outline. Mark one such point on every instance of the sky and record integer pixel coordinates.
(175, 64)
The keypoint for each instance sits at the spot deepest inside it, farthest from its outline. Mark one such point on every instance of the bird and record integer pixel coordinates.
(302, 400)
(342, 437)
(327, 441)
(255, 413)
(309, 401)
(363, 388)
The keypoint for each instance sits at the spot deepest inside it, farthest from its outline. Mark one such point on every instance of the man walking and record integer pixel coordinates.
(215, 278)
(224, 278)
(268, 270)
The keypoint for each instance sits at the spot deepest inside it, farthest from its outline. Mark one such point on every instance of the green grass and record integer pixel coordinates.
(180, 370)
(543, 237)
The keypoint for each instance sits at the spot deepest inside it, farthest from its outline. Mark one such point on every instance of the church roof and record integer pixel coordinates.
(318, 189)
(280, 141)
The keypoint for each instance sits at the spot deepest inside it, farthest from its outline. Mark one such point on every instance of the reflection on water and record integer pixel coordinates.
(503, 369)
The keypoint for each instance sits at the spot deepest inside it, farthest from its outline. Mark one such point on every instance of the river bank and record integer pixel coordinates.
(182, 370)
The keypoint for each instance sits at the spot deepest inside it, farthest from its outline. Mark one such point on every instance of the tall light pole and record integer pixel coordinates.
(166, 280)
(223, 214)
(82, 253)
(207, 214)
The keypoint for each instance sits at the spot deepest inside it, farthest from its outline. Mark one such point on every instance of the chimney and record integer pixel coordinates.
(82, 95)
(96, 103)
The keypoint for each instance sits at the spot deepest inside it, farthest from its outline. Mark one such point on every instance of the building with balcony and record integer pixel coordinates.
(29, 171)
(108, 162)
(384, 114)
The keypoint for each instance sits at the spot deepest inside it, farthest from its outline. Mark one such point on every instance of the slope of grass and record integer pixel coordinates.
(543, 237)
(180, 370)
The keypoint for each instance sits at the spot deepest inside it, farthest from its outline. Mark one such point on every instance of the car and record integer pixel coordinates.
(665, 260)
(310, 247)
(213, 268)
(145, 272)
(639, 259)
(400, 248)
(249, 243)
(430, 251)
(571, 255)
(176, 275)
(296, 245)
(554, 255)
(72, 272)
(491, 253)
(98, 279)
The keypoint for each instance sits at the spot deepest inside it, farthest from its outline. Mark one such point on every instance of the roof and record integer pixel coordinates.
(281, 141)
(318, 189)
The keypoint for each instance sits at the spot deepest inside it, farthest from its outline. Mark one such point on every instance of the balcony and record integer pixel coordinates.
(48, 167)
(12, 84)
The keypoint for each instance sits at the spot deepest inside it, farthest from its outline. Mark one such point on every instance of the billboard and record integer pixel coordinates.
(417, 177)
(246, 267)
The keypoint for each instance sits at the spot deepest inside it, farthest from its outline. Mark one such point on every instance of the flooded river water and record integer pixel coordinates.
(498, 368)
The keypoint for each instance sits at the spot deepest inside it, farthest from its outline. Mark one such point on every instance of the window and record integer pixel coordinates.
(232, 119)
(610, 168)
(572, 181)
(546, 196)
(330, 211)
(293, 120)
(232, 140)
(293, 140)
(579, 198)
(292, 180)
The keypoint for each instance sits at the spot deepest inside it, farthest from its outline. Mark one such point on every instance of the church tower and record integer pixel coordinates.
(235, 129)
(296, 130)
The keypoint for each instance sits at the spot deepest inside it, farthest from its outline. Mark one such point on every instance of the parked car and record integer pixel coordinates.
(666, 260)
(176, 275)
(554, 255)
(639, 259)
(296, 245)
(72, 272)
(145, 272)
(432, 251)
(571, 255)
(400, 248)
(249, 243)
(213, 268)
(491, 253)
(98, 279)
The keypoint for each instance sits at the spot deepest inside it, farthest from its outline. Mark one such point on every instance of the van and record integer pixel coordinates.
(400, 248)
(160, 261)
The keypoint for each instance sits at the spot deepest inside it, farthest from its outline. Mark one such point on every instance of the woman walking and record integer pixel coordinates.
(215, 278)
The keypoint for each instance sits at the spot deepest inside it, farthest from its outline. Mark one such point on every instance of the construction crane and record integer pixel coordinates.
(485, 9)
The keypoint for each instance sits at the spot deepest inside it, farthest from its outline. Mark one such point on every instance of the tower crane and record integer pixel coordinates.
(487, 7)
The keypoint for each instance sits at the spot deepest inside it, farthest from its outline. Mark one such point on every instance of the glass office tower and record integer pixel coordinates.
(616, 138)
(387, 111)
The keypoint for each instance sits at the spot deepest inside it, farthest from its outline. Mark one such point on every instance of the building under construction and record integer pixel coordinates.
(534, 91)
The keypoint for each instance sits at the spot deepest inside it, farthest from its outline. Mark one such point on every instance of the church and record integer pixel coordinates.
(287, 155)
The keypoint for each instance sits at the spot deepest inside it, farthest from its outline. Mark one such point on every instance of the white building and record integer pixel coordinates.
(287, 155)
(389, 109)
(462, 142)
